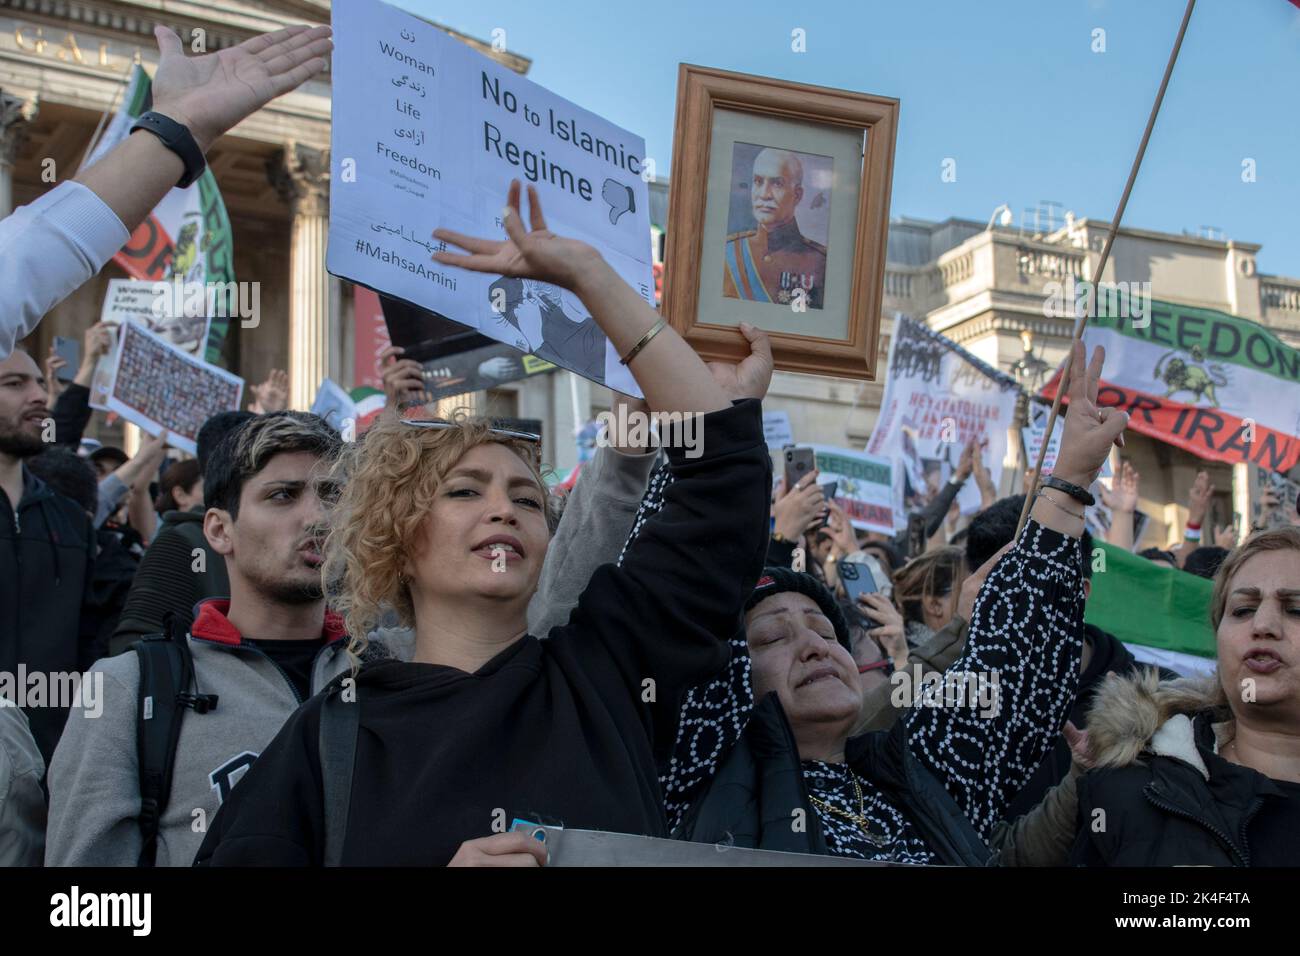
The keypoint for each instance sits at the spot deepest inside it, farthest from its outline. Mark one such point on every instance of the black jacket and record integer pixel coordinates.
(47, 553)
(1109, 655)
(71, 414)
(567, 730)
(167, 579)
(1162, 811)
(749, 802)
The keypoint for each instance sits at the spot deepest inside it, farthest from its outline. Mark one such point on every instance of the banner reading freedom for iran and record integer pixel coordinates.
(1217, 385)
(866, 486)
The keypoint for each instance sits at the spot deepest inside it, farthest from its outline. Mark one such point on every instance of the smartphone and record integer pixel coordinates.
(828, 492)
(857, 579)
(798, 462)
(70, 351)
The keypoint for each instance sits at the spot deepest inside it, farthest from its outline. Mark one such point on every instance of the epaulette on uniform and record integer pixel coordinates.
(746, 234)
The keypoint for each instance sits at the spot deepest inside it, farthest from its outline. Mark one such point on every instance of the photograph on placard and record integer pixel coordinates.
(778, 225)
(155, 385)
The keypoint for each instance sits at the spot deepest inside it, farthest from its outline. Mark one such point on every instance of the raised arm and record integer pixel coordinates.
(1022, 651)
(66, 236)
(672, 376)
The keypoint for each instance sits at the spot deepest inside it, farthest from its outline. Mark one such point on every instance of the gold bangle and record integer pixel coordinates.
(1059, 507)
(645, 340)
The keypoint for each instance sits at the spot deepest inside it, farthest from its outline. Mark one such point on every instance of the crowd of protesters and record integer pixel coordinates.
(306, 651)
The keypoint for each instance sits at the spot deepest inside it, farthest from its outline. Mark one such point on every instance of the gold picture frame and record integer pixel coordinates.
(716, 276)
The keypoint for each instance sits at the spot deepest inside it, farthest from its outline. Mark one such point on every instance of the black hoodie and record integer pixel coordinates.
(564, 731)
(47, 553)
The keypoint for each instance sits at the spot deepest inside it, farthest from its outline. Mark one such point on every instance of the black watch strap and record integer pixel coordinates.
(1081, 495)
(179, 140)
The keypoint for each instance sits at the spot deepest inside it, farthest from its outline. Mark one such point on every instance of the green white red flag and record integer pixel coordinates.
(1220, 386)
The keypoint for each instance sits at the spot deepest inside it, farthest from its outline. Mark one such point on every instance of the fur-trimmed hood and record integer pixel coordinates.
(1140, 714)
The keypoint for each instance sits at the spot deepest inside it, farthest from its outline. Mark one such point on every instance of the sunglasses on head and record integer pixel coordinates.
(503, 432)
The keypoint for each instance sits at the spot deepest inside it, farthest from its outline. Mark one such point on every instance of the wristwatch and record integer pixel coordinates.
(179, 140)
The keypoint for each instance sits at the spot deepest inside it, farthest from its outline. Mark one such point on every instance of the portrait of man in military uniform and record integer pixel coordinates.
(775, 261)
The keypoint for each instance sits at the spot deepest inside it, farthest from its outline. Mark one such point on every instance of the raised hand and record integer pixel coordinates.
(843, 539)
(966, 462)
(272, 395)
(1198, 498)
(210, 94)
(753, 375)
(403, 378)
(1089, 431)
(1123, 494)
(53, 387)
(535, 253)
(800, 507)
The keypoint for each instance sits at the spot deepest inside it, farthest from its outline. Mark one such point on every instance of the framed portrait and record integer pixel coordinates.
(778, 215)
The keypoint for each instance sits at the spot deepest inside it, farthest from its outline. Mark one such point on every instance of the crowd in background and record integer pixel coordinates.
(304, 651)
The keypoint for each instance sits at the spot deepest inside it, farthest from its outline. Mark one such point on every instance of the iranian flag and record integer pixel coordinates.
(187, 236)
(1220, 386)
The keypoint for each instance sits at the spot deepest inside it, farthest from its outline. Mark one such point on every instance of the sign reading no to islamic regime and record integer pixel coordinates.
(428, 133)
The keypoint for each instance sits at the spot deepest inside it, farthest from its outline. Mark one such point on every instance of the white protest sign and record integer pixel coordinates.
(428, 133)
(157, 386)
(866, 485)
(937, 398)
(334, 405)
(159, 307)
(776, 429)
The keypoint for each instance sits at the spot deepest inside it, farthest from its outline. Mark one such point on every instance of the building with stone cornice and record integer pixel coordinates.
(63, 63)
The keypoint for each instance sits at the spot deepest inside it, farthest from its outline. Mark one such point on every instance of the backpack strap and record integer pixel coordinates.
(166, 672)
(340, 721)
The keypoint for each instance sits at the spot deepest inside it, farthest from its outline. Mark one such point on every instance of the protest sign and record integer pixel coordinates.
(428, 133)
(1217, 385)
(938, 397)
(776, 429)
(157, 386)
(867, 486)
(334, 405)
(152, 306)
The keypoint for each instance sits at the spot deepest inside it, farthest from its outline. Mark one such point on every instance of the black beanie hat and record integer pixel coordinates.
(776, 580)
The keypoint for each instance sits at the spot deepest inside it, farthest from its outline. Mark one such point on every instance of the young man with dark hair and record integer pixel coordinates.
(180, 569)
(255, 657)
(47, 551)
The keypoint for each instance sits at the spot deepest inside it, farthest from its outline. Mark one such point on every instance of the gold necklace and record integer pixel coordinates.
(858, 818)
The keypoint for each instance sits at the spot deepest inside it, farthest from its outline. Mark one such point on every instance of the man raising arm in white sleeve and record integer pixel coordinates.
(53, 245)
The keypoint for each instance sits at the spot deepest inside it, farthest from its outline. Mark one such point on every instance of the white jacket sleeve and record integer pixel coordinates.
(47, 249)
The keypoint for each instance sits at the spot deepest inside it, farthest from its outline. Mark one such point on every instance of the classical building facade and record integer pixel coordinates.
(64, 64)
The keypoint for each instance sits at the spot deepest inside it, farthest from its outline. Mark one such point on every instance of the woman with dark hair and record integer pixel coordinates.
(926, 591)
(179, 489)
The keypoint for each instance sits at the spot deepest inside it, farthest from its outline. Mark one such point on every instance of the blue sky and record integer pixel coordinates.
(1010, 89)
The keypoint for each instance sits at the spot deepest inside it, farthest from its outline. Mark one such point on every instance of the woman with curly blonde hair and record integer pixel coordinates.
(448, 524)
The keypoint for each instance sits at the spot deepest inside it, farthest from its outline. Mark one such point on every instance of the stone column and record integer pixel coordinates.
(16, 112)
(302, 178)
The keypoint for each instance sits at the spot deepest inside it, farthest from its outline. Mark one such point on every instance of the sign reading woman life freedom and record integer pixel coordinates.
(428, 133)
(779, 216)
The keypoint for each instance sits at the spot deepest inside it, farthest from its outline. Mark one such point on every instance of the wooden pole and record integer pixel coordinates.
(1081, 322)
